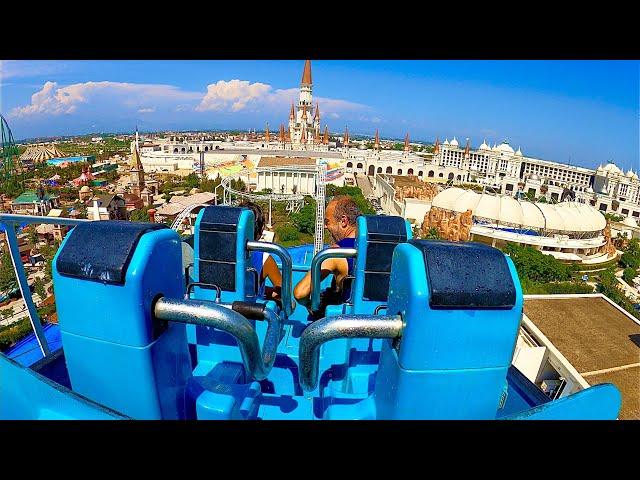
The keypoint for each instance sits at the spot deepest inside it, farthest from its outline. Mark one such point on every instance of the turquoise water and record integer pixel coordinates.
(57, 161)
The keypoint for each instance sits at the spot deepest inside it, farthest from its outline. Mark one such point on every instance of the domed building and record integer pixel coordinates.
(569, 231)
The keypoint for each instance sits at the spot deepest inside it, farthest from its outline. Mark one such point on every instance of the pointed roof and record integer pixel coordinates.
(306, 73)
(317, 114)
(304, 111)
(325, 138)
(136, 163)
(346, 136)
(281, 136)
(436, 147)
(376, 142)
(303, 138)
(292, 115)
(406, 142)
(316, 136)
(266, 134)
(467, 148)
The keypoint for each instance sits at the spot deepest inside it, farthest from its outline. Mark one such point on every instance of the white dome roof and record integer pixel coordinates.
(454, 142)
(495, 147)
(505, 147)
(519, 152)
(632, 174)
(446, 141)
(504, 209)
(612, 168)
(630, 222)
(484, 146)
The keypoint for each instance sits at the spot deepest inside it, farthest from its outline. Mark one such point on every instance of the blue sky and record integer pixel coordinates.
(583, 112)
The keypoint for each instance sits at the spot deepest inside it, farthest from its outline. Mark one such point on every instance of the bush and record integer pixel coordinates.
(629, 274)
(305, 219)
(554, 288)
(628, 260)
(13, 333)
(287, 233)
(534, 265)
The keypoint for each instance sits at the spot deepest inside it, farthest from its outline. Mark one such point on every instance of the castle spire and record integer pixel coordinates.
(317, 114)
(292, 115)
(266, 134)
(325, 139)
(376, 142)
(303, 138)
(346, 137)
(406, 143)
(281, 136)
(466, 149)
(306, 73)
(436, 147)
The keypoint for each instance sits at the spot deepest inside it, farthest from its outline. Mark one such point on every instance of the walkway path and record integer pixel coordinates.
(365, 185)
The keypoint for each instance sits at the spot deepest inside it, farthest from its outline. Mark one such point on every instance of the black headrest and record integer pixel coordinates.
(217, 246)
(386, 228)
(102, 250)
(383, 234)
(467, 275)
(220, 218)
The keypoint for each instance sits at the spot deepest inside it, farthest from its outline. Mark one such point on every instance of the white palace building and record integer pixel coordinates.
(498, 167)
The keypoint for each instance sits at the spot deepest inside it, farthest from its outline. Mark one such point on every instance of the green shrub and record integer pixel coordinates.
(629, 274)
(536, 266)
(287, 233)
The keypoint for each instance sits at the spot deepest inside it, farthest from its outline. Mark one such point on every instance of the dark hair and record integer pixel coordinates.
(347, 207)
(259, 217)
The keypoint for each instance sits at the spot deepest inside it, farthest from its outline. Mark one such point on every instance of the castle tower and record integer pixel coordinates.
(306, 85)
(267, 138)
(346, 140)
(376, 142)
(136, 172)
(325, 138)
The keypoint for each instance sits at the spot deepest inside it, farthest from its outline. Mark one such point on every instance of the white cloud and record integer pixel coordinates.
(20, 68)
(53, 99)
(235, 95)
(146, 110)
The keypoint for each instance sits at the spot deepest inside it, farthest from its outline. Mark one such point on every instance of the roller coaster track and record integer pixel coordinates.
(184, 214)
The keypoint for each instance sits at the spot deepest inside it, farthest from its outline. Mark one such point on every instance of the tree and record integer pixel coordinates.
(38, 288)
(7, 312)
(141, 215)
(542, 200)
(629, 274)
(305, 219)
(432, 234)
(8, 281)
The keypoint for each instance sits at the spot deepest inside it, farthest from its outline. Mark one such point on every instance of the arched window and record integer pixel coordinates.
(410, 171)
(458, 178)
(183, 150)
(451, 176)
(431, 174)
(175, 150)
(389, 170)
(399, 171)
(379, 170)
(359, 166)
(206, 149)
(349, 165)
(441, 175)
(420, 173)
(372, 170)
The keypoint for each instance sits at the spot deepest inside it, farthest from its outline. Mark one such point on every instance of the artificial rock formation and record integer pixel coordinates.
(425, 191)
(452, 226)
(609, 248)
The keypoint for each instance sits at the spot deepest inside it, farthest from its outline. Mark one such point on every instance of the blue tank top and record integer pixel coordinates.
(346, 291)
(257, 263)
